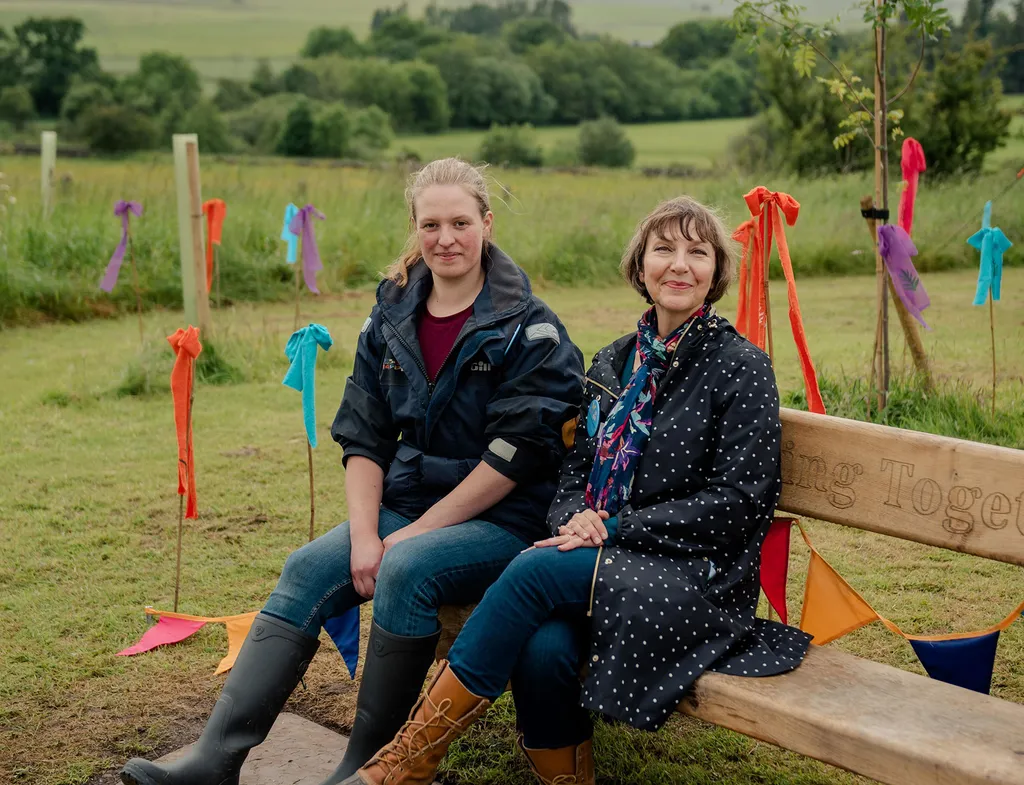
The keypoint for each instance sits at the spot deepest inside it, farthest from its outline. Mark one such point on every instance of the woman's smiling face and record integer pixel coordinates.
(678, 272)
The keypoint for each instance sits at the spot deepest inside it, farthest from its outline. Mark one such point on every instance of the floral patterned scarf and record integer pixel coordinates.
(623, 436)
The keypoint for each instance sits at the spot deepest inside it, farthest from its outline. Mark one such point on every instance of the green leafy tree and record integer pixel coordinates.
(205, 120)
(514, 145)
(50, 56)
(1008, 38)
(323, 41)
(83, 96)
(162, 82)
(298, 78)
(16, 106)
(603, 142)
(263, 81)
(400, 37)
(118, 129)
(297, 136)
(697, 41)
(730, 87)
(332, 132)
(259, 125)
(233, 94)
(521, 35)
(371, 132)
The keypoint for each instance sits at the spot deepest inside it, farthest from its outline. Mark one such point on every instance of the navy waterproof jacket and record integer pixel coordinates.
(506, 394)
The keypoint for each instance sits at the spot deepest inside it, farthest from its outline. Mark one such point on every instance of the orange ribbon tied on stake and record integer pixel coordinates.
(746, 317)
(215, 211)
(767, 209)
(186, 348)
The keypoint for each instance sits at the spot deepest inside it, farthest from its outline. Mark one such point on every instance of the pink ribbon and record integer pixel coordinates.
(121, 209)
(302, 224)
(912, 164)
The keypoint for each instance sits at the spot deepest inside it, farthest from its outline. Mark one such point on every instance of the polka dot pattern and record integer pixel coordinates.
(676, 592)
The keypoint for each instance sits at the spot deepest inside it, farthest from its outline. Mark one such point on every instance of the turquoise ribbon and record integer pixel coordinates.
(992, 243)
(301, 350)
(288, 236)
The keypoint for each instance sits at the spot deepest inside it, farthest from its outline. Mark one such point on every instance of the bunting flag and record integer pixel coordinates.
(215, 211)
(912, 163)
(746, 316)
(992, 243)
(302, 223)
(833, 608)
(896, 248)
(187, 347)
(301, 349)
(122, 210)
(767, 209)
(344, 631)
(775, 565)
(288, 236)
(176, 627)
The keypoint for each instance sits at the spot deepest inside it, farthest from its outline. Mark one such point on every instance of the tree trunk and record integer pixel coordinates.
(880, 369)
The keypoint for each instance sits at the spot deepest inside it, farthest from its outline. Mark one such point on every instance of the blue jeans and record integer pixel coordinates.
(450, 566)
(532, 627)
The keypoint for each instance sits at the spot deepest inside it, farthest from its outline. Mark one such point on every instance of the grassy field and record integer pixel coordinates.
(224, 37)
(88, 516)
(700, 145)
(561, 228)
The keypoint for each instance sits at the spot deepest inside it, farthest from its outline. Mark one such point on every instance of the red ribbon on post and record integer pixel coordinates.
(215, 211)
(767, 209)
(186, 348)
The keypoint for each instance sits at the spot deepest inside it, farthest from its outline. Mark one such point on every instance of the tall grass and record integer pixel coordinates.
(561, 228)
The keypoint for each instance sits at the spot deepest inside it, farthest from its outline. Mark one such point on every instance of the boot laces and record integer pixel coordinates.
(412, 740)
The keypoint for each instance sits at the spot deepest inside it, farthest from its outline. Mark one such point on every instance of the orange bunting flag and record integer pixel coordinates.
(832, 608)
(767, 209)
(186, 348)
(176, 627)
(215, 211)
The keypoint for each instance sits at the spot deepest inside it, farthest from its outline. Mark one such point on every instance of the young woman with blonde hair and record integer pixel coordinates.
(451, 425)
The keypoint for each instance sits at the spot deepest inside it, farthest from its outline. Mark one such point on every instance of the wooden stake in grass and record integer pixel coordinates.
(992, 330)
(312, 491)
(138, 290)
(48, 146)
(298, 296)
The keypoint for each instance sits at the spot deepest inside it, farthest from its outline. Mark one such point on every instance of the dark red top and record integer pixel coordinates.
(437, 337)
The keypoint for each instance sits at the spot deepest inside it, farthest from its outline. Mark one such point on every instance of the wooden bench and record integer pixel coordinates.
(891, 725)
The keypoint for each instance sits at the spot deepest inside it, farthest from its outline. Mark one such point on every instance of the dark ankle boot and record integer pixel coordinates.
(273, 659)
(393, 674)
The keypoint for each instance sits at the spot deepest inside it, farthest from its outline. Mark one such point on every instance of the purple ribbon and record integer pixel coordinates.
(121, 209)
(302, 224)
(896, 248)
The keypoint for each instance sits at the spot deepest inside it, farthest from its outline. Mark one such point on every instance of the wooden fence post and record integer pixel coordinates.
(190, 232)
(48, 144)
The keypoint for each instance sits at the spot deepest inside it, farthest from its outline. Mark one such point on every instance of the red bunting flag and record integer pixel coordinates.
(775, 565)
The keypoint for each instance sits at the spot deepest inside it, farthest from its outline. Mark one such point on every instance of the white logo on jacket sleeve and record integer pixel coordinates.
(535, 332)
(366, 324)
(502, 449)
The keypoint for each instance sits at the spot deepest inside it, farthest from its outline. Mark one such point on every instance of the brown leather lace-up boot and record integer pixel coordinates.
(443, 713)
(564, 766)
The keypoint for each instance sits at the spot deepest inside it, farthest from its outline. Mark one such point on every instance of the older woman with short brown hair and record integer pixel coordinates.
(651, 575)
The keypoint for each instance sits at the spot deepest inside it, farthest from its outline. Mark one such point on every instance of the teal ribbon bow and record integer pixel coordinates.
(992, 243)
(288, 236)
(301, 350)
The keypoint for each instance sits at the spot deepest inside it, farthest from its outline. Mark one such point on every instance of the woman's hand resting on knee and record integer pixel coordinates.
(584, 530)
(364, 562)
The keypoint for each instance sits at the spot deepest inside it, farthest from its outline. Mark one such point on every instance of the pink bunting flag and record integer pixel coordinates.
(164, 632)
(121, 210)
(302, 224)
(912, 164)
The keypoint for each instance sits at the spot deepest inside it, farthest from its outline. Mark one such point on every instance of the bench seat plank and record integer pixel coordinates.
(888, 724)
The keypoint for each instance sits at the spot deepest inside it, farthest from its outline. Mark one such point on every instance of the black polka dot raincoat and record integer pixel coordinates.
(675, 591)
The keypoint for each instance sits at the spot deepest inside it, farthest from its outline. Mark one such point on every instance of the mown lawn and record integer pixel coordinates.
(88, 519)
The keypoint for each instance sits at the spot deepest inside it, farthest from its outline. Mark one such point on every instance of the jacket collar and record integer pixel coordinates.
(506, 289)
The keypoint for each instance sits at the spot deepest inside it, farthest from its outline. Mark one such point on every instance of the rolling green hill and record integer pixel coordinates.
(224, 37)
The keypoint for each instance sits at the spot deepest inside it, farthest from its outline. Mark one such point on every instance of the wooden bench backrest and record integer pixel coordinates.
(955, 494)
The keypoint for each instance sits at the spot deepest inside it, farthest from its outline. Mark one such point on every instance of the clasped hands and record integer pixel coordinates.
(584, 530)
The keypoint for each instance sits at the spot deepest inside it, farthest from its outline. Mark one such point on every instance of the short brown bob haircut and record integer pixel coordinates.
(693, 220)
